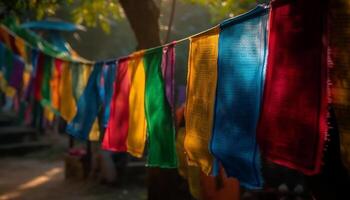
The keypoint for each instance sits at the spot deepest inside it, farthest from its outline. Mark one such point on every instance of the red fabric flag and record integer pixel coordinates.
(115, 138)
(39, 76)
(293, 123)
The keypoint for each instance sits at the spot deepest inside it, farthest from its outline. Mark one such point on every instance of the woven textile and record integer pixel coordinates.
(160, 126)
(241, 67)
(201, 85)
(293, 123)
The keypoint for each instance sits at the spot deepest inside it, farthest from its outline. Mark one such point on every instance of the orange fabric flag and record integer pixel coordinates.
(137, 120)
(201, 86)
(68, 107)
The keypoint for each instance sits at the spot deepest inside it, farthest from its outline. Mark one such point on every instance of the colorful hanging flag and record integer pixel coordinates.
(201, 86)
(293, 123)
(38, 77)
(45, 84)
(67, 103)
(116, 134)
(339, 61)
(106, 89)
(55, 84)
(126, 128)
(190, 173)
(168, 71)
(80, 75)
(160, 126)
(88, 106)
(16, 79)
(241, 67)
(94, 134)
(137, 120)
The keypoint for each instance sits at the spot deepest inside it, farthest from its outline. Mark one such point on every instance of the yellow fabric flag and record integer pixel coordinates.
(201, 86)
(26, 78)
(137, 120)
(191, 173)
(94, 134)
(339, 32)
(48, 114)
(67, 106)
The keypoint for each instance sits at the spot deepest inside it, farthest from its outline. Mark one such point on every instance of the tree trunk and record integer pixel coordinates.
(143, 16)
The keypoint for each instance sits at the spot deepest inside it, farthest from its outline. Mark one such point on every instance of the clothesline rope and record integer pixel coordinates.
(115, 59)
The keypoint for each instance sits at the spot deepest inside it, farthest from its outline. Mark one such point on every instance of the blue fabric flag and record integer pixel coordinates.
(2, 56)
(106, 89)
(88, 106)
(241, 68)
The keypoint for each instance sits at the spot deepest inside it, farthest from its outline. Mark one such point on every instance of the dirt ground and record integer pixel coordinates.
(41, 176)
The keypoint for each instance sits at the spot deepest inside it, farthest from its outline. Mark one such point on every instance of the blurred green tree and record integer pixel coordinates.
(143, 15)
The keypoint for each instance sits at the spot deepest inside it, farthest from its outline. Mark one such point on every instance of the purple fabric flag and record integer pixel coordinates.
(17, 73)
(168, 63)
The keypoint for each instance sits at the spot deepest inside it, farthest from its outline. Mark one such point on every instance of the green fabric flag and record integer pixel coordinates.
(161, 132)
(8, 64)
(45, 88)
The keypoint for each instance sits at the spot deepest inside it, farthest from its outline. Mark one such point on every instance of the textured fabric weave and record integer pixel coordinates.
(161, 131)
(293, 123)
(201, 85)
(241, 67)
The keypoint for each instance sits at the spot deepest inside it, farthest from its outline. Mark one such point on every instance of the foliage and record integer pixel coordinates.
(226, 8)
(87, 12)
(93, 12)
(104, 12)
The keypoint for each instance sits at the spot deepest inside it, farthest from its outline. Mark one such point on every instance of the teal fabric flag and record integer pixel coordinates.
(161, 132)
(241, 67)
(88, 106)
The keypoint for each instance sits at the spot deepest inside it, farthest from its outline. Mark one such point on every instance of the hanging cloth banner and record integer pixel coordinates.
(201, 86)
(39, 73)
(116, 134)
(160, 126)
(45, 84)
(80, 76)
(55, 83)
(168, 71)
(190, 173)
(137, 119)
(106, 89)
(16, 79)
(241, 68)
(339, 60)
(88, 106)
(293, 124)
(67, 103)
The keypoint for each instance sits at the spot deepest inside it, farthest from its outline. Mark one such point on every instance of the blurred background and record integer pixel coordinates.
(48, 164)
